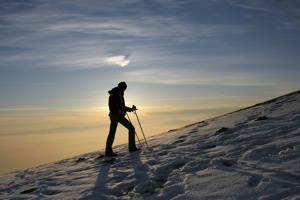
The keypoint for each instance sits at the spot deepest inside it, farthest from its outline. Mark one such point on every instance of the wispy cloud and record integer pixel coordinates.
(290, 7)
(121, 60)
(54, 36)
(199, 77)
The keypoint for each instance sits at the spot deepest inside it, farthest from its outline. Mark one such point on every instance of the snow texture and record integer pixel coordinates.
(253, 153)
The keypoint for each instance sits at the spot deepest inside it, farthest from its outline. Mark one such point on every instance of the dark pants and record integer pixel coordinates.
(114, 120)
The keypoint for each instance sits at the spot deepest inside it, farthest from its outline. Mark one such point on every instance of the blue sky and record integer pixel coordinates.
(183, 61)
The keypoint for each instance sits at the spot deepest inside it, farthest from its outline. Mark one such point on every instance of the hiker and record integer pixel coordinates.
(117, 114)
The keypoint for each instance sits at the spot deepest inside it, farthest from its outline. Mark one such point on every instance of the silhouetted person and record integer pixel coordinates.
(117, 114)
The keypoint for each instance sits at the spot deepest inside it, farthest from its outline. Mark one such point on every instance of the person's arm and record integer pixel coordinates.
(133, 108)
(121, 104)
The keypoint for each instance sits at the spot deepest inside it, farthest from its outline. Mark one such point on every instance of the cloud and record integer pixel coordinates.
(269, 6)
(56, 37)
(198, 77)
(120, 60)
(76, 36)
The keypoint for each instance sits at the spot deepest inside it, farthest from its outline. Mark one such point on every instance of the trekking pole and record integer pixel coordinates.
(135, 132)
(141, 128)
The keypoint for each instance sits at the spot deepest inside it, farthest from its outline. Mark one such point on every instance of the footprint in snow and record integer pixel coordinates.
(208, 146)
(227, 162)
(193, 131)
(29, 191)
(182, 137)
(254, 180)
(167, 147)
(162, 153)
(178, 142)
(51, 192)
(151, 162)
(163, 172)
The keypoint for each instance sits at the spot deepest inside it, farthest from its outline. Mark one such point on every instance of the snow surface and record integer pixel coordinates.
(252, 153)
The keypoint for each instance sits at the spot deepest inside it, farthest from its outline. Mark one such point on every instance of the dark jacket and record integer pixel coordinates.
(116, 102)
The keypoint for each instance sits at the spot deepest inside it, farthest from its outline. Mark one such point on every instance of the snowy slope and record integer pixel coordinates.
(253, 153)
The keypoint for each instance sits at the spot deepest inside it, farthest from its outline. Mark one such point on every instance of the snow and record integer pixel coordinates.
(252, 153)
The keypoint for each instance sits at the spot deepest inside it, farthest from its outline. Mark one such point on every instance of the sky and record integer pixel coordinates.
(183, 61)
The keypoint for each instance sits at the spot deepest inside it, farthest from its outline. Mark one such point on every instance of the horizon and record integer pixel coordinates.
(183, 62)
(56, 155)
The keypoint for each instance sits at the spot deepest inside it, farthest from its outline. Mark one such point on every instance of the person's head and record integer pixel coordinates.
(122, 86)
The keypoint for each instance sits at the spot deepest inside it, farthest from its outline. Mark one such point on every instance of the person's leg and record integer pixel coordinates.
(131, 132)
(111, 136)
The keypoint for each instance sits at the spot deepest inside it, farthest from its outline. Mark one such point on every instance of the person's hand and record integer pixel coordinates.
(134, 108)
